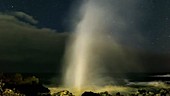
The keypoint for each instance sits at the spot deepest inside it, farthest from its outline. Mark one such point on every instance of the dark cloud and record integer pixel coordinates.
(25, 16)
(26, 48)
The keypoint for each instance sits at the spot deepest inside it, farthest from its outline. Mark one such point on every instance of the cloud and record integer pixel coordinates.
(25, 16)
(24, 47)
(12, 19)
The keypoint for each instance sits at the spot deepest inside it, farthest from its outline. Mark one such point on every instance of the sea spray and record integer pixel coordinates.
(95, 43)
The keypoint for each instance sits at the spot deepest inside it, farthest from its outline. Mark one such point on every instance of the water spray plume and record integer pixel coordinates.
(91, 43)
(81, 57)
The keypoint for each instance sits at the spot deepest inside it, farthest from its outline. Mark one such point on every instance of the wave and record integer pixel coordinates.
(166, 75)
(149, 84)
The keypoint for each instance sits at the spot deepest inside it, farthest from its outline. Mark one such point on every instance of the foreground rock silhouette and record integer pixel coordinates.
(63, 93)
(90, 94)
(96, 94)
(16, 85)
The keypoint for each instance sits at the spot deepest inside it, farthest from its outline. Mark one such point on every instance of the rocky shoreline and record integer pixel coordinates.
(139, 92)
(18, 85)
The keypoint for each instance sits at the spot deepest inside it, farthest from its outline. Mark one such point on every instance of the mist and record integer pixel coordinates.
(96, 47)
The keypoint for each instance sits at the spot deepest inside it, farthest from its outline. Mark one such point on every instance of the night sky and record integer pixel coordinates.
(51, 14)
(33, 34)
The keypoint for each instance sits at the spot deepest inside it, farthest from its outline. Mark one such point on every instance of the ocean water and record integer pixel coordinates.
(55, 79)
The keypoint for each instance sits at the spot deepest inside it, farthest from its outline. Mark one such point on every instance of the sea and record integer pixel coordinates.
(55, 79)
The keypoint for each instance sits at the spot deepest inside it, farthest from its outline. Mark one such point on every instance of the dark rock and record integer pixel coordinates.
(63, 93)
(29, 89)
(36, 89)
(118, 94)
(104, 94)
(142, 91)
(29, 86)
(90, 94)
